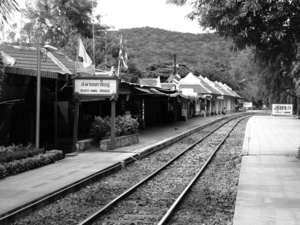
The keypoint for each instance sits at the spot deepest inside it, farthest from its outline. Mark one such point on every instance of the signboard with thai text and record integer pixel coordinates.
(95, 87)
(282, 109)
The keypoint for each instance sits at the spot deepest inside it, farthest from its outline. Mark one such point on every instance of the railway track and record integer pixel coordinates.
(73, 208)
(153, 200)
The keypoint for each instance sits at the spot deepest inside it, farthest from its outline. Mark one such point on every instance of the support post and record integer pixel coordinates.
(298, 107)
(113, 120)
(38, 98)
(55, 116)
(205, 107)
(75, 129)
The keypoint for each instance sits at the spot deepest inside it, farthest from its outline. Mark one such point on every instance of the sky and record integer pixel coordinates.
(124, 14)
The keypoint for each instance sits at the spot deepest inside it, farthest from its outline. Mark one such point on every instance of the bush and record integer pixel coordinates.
(11, 153)
(100, 128)
(2, 172)
(19, 166)
(125, 125)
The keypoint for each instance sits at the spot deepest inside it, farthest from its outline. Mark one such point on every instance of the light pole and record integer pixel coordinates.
(38, 97)
(105, 50)
(38, 91)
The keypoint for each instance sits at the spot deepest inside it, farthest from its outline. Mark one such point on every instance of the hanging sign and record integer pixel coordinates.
(87, 87)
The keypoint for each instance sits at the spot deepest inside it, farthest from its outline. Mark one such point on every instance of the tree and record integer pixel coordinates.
(11, 34)
(270, 26)
(7, 7)
(56, 21)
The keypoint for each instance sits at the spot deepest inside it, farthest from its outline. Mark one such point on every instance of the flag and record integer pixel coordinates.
(83, 54)
(123, 54)
(176, 79)
(7, 59)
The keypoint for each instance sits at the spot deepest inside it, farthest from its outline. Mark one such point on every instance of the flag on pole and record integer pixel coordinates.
(123, 54)
(83, 54)
(176, 79)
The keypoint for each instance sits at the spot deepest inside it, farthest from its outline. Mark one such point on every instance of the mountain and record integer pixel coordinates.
(207, 54)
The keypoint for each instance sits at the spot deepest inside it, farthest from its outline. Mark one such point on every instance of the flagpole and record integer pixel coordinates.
(77, 53)
(119, 63)
(93, 33)
(119, 67)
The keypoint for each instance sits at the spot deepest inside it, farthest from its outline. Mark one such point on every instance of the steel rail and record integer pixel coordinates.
(93, 217)
(176, 203)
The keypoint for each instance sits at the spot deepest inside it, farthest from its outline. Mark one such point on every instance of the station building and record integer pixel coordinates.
(150, 101)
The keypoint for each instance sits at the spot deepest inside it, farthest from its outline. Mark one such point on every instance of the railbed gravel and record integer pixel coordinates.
(160, 192)
(211, 200)
(77, 206)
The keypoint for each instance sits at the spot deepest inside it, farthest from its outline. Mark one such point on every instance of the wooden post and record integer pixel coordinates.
(205, 107)
(298, 107)
(55, 116)
(75, 129)
(113, 120)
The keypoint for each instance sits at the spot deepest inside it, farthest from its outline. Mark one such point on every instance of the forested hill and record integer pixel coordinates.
(205, 53)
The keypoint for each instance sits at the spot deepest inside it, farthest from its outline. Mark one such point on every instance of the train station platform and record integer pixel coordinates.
(268, 189)
(28, 187)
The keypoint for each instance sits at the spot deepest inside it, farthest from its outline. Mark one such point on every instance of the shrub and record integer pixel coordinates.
(19, 166)
(21, 153)
(100, 128)
(2, 172)
(125, 125)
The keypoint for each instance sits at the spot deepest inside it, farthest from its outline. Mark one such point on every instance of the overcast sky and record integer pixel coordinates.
(142, 13)
(123, 14)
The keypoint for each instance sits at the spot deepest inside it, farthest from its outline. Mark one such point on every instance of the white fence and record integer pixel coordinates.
(282, 109)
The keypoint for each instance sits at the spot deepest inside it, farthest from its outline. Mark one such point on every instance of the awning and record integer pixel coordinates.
(145, 90)
(32, 72)
(150, 91)
(12, 101)
(190, 97)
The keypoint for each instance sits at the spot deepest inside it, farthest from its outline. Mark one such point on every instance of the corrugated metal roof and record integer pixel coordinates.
(224, 90)
(153, 82)
(26, 62)
(210, 86)
(168, 86)
(196, 88)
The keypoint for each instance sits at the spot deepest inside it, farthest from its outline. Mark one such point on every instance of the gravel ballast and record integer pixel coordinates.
(77, 206)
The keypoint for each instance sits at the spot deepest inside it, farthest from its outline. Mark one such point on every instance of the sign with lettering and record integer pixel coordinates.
(95, 87)
(282, 109)
(248, 105)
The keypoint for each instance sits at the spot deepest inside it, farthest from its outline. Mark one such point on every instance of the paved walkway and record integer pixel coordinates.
(25, 187)
(269, 184)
